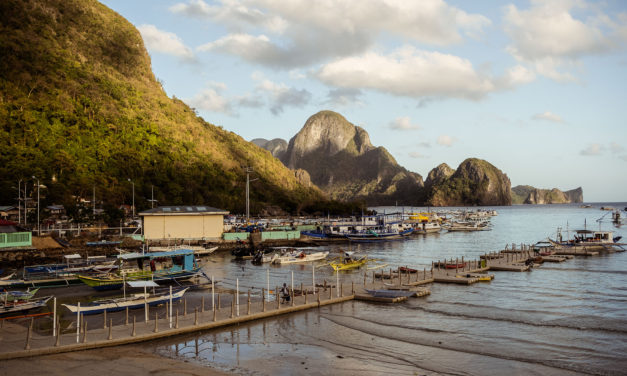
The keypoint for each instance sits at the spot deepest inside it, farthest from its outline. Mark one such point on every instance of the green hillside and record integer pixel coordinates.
(80, 107)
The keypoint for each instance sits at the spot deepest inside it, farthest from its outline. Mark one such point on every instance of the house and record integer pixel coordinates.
(183, 222)
(9, 212)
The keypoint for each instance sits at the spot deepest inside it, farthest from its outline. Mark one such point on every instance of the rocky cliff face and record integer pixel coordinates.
(526, 194)
(277, 147)
(439, 174)
(341, 160)
(475, 182)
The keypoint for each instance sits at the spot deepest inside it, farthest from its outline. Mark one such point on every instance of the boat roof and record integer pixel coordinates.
(142, 284)
(592, 232)
(137, 255)
(73, 256)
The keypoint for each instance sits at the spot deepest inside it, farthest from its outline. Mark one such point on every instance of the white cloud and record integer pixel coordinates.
(446, 140)
(303, 32)
(403, 124)
(550, 38)
(415, 154)
(281, 96)
(409, 72)
(548, 116)
(593, 150)
(209, 99)
(344, 97)
(165, 42)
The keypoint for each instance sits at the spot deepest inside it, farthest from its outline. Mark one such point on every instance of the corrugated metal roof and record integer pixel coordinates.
(184, 209)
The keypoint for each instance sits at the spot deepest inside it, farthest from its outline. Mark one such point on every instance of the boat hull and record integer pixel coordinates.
(123, 305)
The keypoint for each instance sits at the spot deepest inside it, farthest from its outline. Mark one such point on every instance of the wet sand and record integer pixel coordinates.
(123, 360)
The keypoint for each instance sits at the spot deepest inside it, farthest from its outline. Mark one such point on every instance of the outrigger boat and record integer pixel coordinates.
(588, 239)
(157, 266)
(131, 302)
(348, 264)
(300, 257)
(13, 296)
(23, 305)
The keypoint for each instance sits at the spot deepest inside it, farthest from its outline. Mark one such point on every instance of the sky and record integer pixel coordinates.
(537, 88)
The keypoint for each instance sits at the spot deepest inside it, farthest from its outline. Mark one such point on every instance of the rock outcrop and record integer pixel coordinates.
(342, 161)
(526, 194)
(276, 147)
(439, 174)
(475, 182)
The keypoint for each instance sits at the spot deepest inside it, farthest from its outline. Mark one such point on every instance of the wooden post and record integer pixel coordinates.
(352, 288)
(278, 298)
(104, 322)
(331, 292)
(195, 316)
(156, 329)
(218, 301)
(305, 293)
(176, 319)
(215, 314)
(58, 341)
(232, 308)
(84, 331)
(263, 299)
(318, 296)
(27, 346)
(342, 290)
(456, 264)
(248, 311)
(184, 307)
(292, 295)
(463, 264)
(126, 320)
(424, 274)
(133, 332)
(110, 337)
(202, 304)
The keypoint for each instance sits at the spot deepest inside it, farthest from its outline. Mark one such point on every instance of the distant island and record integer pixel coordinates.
(526, 194)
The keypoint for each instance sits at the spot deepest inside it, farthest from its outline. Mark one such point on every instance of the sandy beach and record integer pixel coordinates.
(123, 360)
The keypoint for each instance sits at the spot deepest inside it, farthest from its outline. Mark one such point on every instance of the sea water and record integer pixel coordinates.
(560, 318)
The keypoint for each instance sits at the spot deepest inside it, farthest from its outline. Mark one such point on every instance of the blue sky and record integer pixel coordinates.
(537, 88)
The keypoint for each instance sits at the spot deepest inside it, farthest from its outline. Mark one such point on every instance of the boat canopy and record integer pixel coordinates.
(152, 255)
(142, 284)
(72, 256)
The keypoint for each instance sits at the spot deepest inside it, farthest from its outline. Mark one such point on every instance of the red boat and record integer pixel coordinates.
(404, 269)
(456, 266)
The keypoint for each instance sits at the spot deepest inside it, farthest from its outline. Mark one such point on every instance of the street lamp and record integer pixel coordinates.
(132, 182)
(152, 196)
(38, 228)
(248, 171)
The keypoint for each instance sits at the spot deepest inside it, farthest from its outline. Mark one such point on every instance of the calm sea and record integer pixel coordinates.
(557, 319)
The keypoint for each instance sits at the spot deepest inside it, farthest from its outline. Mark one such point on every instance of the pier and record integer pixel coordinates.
(227, 309)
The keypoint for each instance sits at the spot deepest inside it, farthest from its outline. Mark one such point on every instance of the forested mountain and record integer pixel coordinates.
(80, 107)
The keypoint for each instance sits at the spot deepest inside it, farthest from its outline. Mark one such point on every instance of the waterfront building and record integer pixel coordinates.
(183, 222)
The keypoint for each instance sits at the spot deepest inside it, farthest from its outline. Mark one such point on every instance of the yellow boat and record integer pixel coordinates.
(337, 266)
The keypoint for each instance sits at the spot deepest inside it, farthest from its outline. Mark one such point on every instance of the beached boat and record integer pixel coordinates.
(157, 266)
(390, 293)
(23, 305)
(132, 302)
(348, 264)
(299, 257)
(13, 296)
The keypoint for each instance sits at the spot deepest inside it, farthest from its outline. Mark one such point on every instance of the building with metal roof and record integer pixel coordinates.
(183, 222)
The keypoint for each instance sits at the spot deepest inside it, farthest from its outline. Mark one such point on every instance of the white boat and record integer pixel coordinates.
(469, 226)
(299, 257)
(23, 305)
(132, 302)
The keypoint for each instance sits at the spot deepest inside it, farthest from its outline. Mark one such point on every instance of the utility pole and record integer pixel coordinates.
(248, 171)
(132, 182)
(38, 228)
(19, 200)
